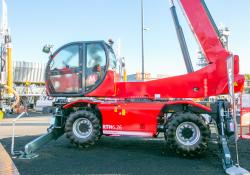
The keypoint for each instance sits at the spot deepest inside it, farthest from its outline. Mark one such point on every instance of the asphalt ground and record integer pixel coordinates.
(117, 155)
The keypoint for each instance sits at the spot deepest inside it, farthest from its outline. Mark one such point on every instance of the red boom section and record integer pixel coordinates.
(204, 30)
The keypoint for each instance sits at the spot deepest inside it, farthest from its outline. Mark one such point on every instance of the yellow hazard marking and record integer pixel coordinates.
(123, 112)
(235, 83)
(1, 115)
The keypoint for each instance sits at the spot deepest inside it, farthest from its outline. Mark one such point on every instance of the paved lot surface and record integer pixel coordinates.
(26, 126)
(115, 155)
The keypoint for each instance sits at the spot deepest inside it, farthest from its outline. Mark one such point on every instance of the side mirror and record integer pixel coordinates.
(47, 48)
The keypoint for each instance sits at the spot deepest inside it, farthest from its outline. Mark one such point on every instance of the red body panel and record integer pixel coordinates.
(107, 88)
(209, 81)
(139, 119)
(131, 118)
(189, 102)
(77, 102)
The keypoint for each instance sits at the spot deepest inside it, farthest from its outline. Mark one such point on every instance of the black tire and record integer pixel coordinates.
(187, 134)
(79, 121)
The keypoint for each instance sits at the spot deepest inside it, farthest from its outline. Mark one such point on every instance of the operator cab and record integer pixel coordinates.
(78, 68)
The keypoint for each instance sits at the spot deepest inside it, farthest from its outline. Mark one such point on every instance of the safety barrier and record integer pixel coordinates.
(13, 152)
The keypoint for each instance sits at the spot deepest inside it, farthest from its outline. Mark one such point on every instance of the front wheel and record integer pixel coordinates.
(187, 134)
(83, 128)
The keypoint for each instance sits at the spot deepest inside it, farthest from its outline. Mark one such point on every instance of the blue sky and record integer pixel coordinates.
(36, 23)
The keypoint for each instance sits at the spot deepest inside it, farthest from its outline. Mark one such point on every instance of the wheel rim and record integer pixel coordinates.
(188, 133)
(82, 128)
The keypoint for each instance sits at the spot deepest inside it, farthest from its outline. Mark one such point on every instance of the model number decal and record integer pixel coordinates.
(112, 127)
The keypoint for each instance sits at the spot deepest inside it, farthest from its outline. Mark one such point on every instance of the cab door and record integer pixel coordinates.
(100, 69)
(95, 65)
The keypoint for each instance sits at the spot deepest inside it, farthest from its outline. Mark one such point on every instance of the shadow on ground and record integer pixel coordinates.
(116, 155)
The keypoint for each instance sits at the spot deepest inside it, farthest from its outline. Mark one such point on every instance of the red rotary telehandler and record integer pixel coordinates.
(100, 104)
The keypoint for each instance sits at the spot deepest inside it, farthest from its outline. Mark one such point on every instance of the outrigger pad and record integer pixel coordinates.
(236, 170)
(27, 156)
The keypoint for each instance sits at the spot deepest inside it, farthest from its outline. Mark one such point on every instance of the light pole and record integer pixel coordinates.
(142, 39)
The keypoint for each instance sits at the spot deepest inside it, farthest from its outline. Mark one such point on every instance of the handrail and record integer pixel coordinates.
(13, 132)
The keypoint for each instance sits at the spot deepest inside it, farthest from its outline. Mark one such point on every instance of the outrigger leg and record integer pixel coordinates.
(54, 132)
(31, 147)
(226, 129)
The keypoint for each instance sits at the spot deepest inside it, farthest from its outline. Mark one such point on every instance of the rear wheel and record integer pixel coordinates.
(83, 128)
(187, 134)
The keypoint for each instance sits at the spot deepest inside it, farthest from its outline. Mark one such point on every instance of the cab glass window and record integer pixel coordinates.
(67, 57)
(95, 65)
(65, 72)
(95, 55)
